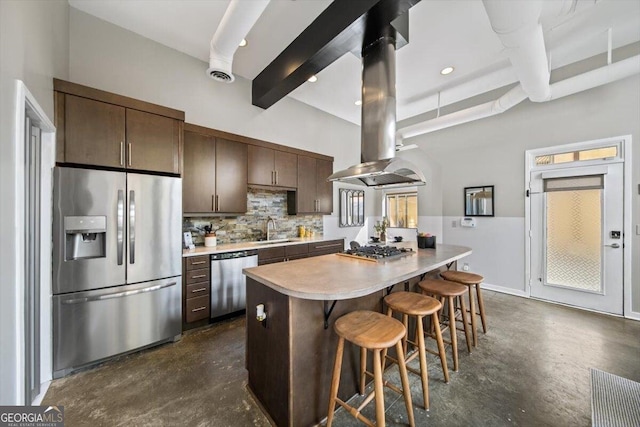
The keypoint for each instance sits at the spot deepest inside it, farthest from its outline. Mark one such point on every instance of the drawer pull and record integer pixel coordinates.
(199, 276)
(198, 309)
(328, 246)
(198, 290)
(198, 262)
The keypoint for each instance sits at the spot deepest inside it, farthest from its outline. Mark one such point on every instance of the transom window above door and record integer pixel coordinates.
(578, 156)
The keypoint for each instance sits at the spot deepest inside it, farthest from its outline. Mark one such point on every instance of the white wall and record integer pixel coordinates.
(33, 48)
(491, 152)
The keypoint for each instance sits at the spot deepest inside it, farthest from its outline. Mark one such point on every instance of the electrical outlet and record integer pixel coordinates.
(454, 223)
(465, 267)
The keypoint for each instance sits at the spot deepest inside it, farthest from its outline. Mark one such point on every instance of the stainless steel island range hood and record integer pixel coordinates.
(379, 167)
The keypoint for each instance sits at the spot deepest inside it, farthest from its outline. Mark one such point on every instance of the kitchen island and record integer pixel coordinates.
(290, 354)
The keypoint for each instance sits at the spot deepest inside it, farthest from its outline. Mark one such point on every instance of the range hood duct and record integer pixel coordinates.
(238, 19)
(379, 167)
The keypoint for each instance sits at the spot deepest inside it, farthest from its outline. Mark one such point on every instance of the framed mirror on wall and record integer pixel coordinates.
(351, 207)
(478, 201)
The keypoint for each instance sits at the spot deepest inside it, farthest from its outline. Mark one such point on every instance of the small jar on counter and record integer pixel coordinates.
(301, 231)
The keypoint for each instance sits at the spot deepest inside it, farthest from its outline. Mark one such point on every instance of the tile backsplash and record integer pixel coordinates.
(261, 204)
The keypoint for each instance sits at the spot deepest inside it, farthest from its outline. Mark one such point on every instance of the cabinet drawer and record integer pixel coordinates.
(269, 253)
(197, 308)
(197, 262)
(197, 276)
(197, 289)
(270, 261)
(331, 246)
(296, 250)
(297, 256)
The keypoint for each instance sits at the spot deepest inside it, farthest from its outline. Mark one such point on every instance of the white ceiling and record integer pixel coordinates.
(441, 33)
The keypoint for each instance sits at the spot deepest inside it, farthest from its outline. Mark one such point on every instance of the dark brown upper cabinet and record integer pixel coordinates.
(314, 193)
(99, 128)
(95, 132)
(272, 168)
(153, 142)
(215, 174)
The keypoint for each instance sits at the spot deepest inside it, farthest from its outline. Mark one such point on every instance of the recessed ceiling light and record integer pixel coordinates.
(313, 79)
(358, 102)
(243, 43)
(446, 70)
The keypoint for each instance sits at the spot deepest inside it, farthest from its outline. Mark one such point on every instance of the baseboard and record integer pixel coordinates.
(504, 290)
(43, 390)
(634, 315)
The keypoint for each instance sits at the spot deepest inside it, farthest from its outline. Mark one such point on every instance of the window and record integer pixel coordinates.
(402, 209)
(577, 156)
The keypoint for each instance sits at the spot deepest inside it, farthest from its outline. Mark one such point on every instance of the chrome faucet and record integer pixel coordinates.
(270, 221)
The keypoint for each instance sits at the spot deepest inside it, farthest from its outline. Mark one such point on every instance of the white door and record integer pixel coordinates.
(576, 236)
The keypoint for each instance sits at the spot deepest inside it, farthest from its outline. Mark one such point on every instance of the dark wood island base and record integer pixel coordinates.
(290, 355)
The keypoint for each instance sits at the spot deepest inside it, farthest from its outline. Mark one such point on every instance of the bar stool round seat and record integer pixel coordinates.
(449, 292)
(370, 331)
(443, 288)
(418, 306)
(472, 280)
(462, 277)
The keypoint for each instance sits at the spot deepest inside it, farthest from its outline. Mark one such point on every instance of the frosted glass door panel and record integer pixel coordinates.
(574, 239)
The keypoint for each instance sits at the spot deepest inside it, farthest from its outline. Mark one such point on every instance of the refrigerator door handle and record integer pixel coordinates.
(117, 294)
(132, 227)
(120, 228)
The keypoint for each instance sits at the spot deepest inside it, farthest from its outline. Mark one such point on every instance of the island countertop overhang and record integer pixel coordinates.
(334, 277)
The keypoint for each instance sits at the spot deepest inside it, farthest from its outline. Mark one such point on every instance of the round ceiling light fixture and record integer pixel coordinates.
(358, 102)
(313, 79)
(446, 70)
(243, 43)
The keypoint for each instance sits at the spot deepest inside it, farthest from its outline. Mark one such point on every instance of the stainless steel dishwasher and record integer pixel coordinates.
(228, 284)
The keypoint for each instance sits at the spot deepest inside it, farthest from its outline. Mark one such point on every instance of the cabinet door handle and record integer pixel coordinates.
(276, 177)
(217, 203)
(273, 179)
(199, 276)
(213, 202)
(121, 153)
(129, 146)
(198, 262)
(198, 309)
(198, 290)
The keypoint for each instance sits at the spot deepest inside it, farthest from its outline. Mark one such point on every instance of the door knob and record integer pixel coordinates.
(614, 245)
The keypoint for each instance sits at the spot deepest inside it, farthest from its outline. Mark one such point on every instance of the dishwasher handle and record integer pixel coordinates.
(234, 255)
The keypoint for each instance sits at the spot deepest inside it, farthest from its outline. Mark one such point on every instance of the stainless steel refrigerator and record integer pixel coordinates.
(116, 264)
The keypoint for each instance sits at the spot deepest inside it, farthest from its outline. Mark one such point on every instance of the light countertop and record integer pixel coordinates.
(243, 246)
(335, 277)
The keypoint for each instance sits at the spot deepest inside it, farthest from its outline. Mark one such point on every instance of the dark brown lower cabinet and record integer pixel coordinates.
(196, 291)
(304, 250)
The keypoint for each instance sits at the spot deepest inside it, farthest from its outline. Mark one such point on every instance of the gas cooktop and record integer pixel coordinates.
(378, 253)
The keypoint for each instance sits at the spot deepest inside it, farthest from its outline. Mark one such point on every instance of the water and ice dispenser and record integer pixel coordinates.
(85, 237)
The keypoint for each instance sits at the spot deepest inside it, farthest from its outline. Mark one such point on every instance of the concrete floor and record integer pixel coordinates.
(530, 369)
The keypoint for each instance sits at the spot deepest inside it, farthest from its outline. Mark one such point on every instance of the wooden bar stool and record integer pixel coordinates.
(471, 280)
(419, 306)
(449, 291)
(370, 331)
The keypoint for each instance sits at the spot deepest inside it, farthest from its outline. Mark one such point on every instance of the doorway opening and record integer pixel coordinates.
(577, 210)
